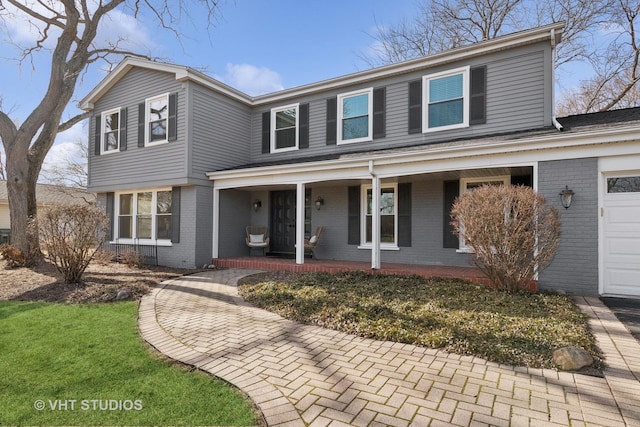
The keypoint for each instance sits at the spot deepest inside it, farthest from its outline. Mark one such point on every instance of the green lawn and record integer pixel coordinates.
(87, 366)
(520, 329)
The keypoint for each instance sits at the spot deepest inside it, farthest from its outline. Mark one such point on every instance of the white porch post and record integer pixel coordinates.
(300, 190)
(375, 220)
(216, 223)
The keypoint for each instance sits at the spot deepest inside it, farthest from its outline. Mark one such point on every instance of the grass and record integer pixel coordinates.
(59, 353)
(520, 329)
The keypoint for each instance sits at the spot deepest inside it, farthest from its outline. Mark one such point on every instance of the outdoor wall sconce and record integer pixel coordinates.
(257, 205)
(319, 202)
(566, 197)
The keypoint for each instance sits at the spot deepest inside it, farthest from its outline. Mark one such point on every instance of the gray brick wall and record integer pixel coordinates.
(575, 266)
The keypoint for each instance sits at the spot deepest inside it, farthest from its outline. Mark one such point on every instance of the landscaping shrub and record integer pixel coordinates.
(14, 256)
(512, 231)
(71, 236)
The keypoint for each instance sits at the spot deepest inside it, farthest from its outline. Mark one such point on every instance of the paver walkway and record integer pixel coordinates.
(304, 375)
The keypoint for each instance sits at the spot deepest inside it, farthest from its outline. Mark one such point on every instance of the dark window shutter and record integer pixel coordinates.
(123, 129)
(415, 106)
(141, 119)
(109, 210)
(266, 132)
(379, 112)
(478, 113)
(332, 121)
(354, 215)
(172, 132)
(404, 214)
(304, 126)
(97, 134)
(451, 192)
(175, 215)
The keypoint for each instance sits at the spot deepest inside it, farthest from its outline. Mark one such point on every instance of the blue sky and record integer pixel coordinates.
(257, 46)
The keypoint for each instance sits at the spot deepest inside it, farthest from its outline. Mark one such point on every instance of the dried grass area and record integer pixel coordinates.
(101, 282)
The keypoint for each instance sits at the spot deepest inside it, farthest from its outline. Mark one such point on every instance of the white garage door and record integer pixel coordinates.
(622, 236)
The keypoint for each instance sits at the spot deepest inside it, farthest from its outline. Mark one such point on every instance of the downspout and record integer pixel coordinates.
(375, 218)
(554, 120)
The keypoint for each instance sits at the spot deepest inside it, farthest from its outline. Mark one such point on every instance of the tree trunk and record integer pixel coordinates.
(21, 190)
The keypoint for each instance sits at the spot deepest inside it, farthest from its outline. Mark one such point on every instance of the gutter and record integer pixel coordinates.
(554, 120)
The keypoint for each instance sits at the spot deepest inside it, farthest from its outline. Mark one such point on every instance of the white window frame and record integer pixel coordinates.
(274, 111)
(464, 183)
(341, 98)
(147, 121)
(465, 71)
(363, 217)
(133, 240)
(103, 122)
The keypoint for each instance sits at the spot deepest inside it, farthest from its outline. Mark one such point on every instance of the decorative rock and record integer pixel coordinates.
(571, 358)
(123, 294)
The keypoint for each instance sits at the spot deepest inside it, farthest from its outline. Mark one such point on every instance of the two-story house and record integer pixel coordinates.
(184, 162)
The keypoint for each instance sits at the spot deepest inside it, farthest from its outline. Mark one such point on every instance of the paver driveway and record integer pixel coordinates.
(304, 375)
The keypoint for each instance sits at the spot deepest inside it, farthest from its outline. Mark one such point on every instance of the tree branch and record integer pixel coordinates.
(72, 121)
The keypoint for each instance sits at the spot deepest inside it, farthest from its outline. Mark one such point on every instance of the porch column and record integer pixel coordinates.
(216, 223)
(300, 223)
(375, 222)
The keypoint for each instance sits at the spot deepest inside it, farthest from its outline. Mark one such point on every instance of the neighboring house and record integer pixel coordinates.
(185, 162)
(46, 195)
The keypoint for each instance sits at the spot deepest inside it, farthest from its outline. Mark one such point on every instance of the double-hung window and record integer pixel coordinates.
(144, 215)
(284, 128)
(355, 116)
(388, 215)
(156, 119)
(446, 100)
(110, 132)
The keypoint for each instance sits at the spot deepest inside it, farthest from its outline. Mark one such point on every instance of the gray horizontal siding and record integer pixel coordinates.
(139, 167)
(518, 98)
(220, 132)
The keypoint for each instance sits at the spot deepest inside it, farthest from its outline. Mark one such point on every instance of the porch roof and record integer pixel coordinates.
(581, 133)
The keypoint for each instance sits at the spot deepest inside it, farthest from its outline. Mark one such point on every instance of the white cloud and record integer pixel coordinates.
(67, 147)
(252, 80)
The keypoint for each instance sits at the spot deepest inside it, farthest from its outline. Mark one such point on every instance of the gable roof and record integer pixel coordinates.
(550, 32)
(53, 195)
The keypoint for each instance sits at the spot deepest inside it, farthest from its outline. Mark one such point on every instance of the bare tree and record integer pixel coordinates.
(615, 82)
(3, 176)
(71, 171)
(70, 27)
(615, 60)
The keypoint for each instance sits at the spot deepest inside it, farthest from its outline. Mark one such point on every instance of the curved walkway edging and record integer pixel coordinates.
(301, 375)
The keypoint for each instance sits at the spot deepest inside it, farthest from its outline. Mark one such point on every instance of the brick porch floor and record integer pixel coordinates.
(334, 266)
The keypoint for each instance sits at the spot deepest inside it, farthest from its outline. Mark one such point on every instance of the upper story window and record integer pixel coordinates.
(446, 100)
(110, 132)
(144, 215)
(285, 125)
(355, 112)
(156, 119)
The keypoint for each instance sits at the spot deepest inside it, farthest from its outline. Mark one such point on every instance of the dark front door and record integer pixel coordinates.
(283, 221)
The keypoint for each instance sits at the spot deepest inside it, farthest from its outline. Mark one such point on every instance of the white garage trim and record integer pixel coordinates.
(614, 167)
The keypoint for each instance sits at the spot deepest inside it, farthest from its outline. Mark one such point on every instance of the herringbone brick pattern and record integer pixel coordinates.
(301, 375)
